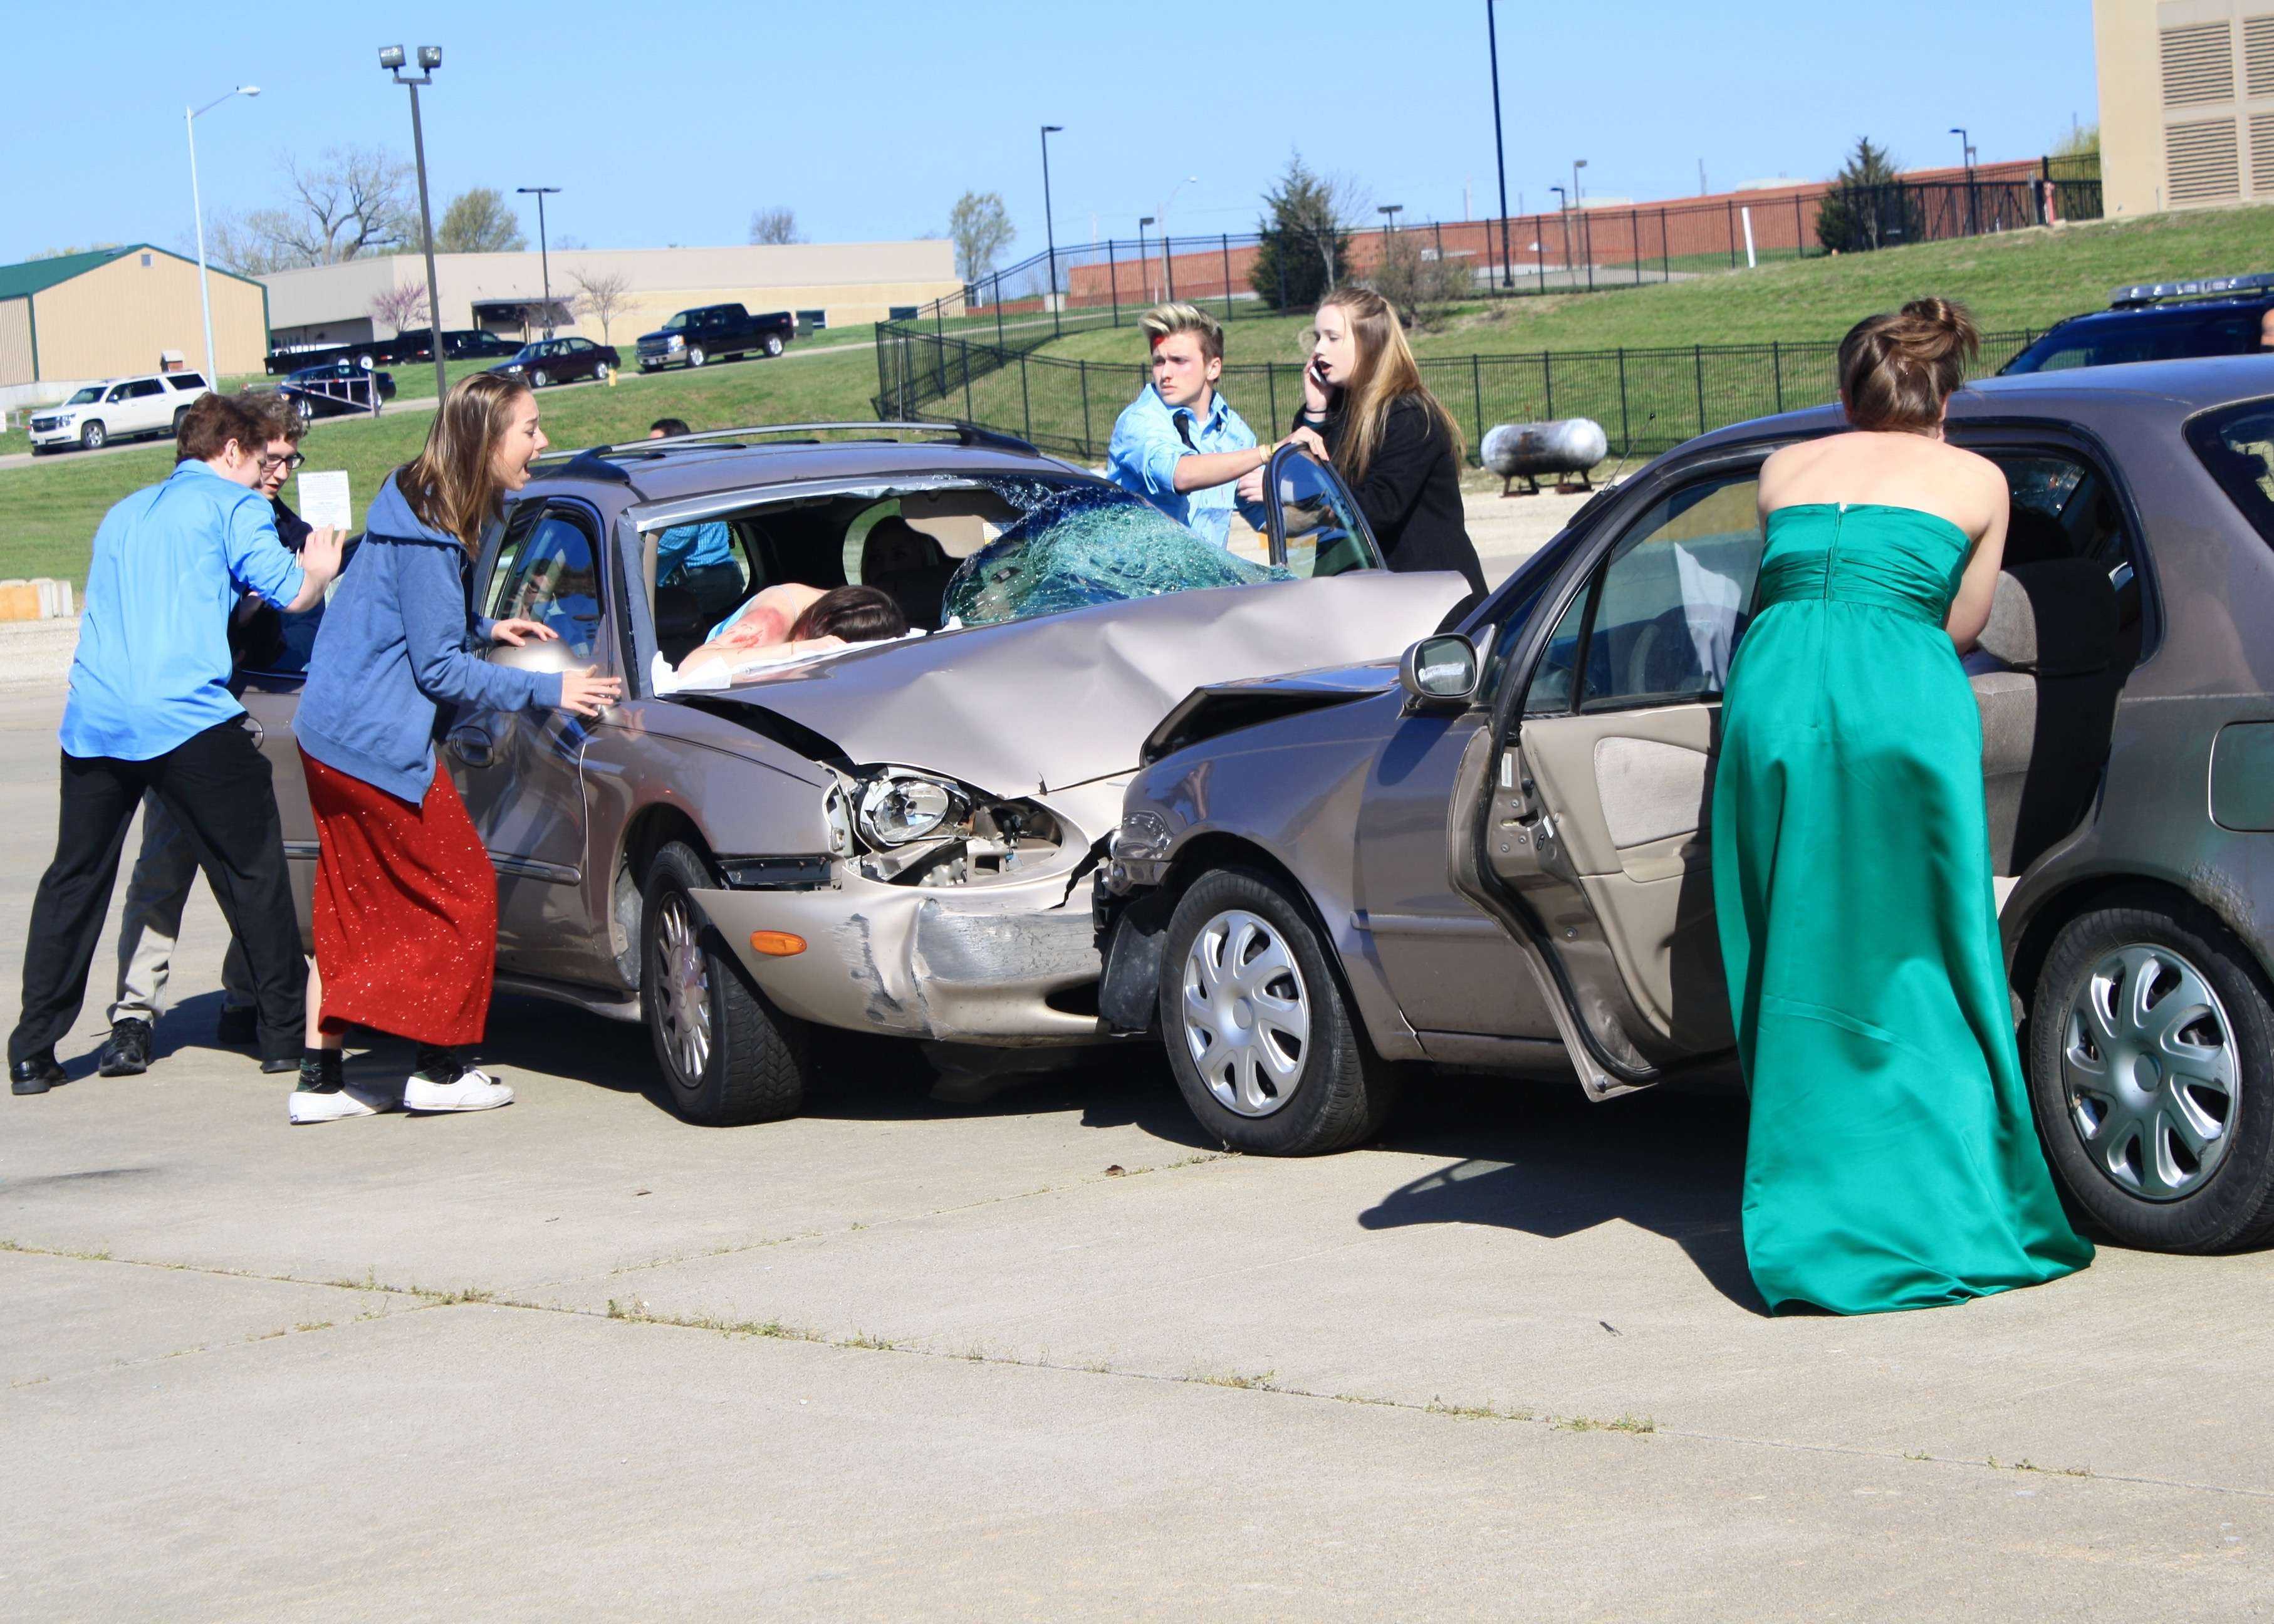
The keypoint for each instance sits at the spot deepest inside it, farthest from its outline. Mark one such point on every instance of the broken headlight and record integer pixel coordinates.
(915, 828)
(897, 806)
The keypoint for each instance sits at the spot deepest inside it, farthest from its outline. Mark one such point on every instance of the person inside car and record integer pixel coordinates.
(830, 619)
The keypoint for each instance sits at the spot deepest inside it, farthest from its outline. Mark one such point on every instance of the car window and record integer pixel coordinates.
(2236, 444)
(547, 574)
(1664, 612)
(1325, 534)
(120, 392)
(188, 380)
(86, 396)
(2116, 342)
(678, 323)
(578, 346)
(144, 388)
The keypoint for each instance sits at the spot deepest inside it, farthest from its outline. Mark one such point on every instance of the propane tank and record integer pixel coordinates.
(1569, 446)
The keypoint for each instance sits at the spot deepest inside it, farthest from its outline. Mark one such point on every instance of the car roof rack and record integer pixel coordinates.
(2139, 294)
(964, 434)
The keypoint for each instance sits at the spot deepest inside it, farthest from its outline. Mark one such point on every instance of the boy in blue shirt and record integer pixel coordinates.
(150, 709)
(1180, 445)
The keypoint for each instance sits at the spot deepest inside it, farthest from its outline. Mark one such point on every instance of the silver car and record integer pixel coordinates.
(1494, 855)
(898, 838)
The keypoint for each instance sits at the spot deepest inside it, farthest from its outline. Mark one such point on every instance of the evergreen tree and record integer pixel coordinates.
(1868, 207)
(1305, 249)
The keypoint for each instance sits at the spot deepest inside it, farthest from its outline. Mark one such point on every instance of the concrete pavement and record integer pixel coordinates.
(1047, 1357)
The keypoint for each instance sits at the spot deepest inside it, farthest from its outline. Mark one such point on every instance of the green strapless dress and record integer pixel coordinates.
(1891, 1162)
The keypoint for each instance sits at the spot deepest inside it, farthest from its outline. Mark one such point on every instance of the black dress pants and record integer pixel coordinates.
(216, 782)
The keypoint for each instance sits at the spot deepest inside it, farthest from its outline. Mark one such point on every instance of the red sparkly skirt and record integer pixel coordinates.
(406, 910)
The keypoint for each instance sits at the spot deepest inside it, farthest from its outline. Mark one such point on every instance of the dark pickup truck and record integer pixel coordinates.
(715, 332)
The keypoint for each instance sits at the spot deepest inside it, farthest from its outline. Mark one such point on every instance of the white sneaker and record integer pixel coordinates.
(330, 1104)
(472, 1091)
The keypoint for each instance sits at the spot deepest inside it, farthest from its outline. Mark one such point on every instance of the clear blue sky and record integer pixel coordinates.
(670, 122)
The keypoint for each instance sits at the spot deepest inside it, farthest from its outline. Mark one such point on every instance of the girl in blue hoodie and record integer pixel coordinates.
(406, 901)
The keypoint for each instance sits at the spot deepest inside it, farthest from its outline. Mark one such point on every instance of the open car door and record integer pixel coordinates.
(1313, 524)
(1590, 838)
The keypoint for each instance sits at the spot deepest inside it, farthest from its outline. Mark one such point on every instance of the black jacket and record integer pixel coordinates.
(1411, 492)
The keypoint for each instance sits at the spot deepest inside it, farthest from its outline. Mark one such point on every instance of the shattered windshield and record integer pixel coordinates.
(1077, 545)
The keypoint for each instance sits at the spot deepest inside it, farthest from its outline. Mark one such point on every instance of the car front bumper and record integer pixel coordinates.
(962, 964)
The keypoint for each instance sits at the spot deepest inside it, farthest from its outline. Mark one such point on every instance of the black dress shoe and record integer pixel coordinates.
(127, 1054)
(279, 1063)
(239, 1028)
(35, 1073)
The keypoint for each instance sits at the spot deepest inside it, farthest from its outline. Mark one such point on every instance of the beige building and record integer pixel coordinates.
(2187, 102)
(123, 309)
(828, 284)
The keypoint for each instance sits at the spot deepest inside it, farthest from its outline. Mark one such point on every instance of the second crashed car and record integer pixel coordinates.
(899, 838)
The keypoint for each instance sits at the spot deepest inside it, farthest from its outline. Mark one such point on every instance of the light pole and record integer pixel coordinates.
(1144, 259)
(1966, 162)
(1168, 263)
(1389, 212)
(1500, 147)
(198, 210)
(544, 256)
(1579, 220)
(1050, 230)
(430, 57)
(1563, 213)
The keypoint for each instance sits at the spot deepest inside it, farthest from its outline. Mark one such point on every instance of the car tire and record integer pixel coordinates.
(600, 372)
(2123, 1150)
(696, 356)
(180, 412)
(538, 379)
(1300, 1079)
(727, 1056)
(363, 361)
(92, 436)
(303, 409)
(773, 346)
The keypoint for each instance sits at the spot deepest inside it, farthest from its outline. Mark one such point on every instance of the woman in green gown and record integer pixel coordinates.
(1891, 1162)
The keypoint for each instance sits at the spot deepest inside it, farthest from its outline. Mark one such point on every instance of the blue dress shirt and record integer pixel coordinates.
(693, 546)
(1150, 439)
(170, 561)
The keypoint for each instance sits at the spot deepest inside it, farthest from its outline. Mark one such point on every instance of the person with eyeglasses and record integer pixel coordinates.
(150, 709)
(261, 638)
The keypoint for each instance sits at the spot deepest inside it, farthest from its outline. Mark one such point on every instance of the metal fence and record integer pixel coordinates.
(1106, 284)
(1647, 401)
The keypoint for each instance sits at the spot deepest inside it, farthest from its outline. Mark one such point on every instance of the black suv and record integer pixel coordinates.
(715, 332)
(2159, 321)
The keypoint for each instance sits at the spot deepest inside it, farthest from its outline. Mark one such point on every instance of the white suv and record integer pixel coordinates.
(115, 409)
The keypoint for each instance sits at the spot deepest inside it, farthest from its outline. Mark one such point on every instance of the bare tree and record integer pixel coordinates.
(353, 200)
(775, 225)
(603, 296)
(980, 227)
(401, 307)
(478, 221)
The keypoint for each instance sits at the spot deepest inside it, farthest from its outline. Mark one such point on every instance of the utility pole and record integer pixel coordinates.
(543, 256)
(1500, 147)
(430, 57)
(1050, 234)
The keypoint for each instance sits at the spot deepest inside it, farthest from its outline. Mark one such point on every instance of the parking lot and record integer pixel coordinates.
(1042, 1355)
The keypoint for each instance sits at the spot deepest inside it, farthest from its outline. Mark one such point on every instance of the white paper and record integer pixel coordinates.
(324, 499)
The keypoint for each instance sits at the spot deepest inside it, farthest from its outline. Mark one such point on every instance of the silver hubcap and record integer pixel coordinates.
(1248, 1015)
(2149, 1072)
(683, 988)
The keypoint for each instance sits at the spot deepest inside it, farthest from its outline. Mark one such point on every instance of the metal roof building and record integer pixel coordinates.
(122, 310)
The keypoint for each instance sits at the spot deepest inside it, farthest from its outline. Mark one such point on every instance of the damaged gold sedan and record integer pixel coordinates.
(895, 837)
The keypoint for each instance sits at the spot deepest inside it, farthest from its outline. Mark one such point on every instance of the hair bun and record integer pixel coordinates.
(1934, 329)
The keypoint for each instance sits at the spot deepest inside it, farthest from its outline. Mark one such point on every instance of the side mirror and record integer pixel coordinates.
(1440, 672)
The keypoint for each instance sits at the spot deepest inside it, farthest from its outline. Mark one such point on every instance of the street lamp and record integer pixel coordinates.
(430, 57)
(544, 258)
(1143, 258)
(198, 210)
(1966, 162)
(1578, 164)
(1168, 264)
(1563, 213)
(1500, 148)
(1389, 212)
(1050, 230)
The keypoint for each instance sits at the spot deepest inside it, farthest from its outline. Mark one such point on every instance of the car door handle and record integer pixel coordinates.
(472, 745)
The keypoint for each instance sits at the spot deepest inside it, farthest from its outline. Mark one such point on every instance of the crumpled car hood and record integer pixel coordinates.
(1037, 705)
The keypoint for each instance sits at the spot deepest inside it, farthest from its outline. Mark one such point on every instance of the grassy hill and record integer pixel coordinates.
(2020, 279)
(49, 510)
